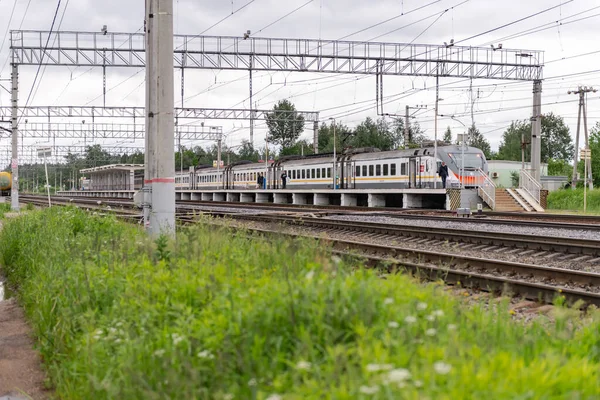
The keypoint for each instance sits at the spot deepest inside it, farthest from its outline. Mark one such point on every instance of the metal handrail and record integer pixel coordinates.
(487, 190)
(530, 184)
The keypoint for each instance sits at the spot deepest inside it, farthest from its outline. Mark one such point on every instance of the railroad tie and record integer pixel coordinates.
(582, 258)
(527, 252)
(552, 255)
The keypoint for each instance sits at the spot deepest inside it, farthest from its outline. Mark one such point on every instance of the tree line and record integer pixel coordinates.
(285, 126)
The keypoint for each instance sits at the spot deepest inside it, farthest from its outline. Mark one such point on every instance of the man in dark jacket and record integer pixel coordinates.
(260, 181)
(443, 173)
(283, 179)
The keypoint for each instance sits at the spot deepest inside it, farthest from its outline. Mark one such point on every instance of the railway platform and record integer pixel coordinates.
(398, 198)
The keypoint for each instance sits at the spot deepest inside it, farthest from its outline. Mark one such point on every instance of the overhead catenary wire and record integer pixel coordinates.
(42, 56)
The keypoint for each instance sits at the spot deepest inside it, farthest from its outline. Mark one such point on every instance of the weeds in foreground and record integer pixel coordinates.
(222, 315)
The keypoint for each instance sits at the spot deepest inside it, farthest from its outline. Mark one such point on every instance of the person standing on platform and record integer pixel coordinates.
(284, 178)
(443, 173)
(260, 180)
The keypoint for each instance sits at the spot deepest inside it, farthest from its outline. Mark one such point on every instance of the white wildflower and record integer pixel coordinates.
(438, 313)
(310, 275)
(252, 382)
(117, 340)
(379, 367)
(176, 338)
(274, 397)
(418, 383)
(336, 260)
(369, 389)
(99, 332)
(393, 324)
(119, 323)
(451, 327)
(205, 354)
(430, 332)
(430, 317)
(112, 330)
(228, 396)
(304, 365)
(388, 301)
(421, 306)
(410, 319)
(398, 375)
(159, 353)
(442, 368)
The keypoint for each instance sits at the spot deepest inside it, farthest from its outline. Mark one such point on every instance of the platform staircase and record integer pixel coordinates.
(524, 198)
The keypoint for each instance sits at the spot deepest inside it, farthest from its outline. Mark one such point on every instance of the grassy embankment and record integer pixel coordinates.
(220, 316)
(572, 200)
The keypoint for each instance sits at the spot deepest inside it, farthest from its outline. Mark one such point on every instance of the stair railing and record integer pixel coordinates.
(530, 185)
(487, 189)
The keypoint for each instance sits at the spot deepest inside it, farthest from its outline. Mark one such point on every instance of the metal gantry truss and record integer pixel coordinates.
(113, 131)
(139, 112)
(266, 54)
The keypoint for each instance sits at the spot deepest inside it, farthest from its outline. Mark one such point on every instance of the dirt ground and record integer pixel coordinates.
(21, 376)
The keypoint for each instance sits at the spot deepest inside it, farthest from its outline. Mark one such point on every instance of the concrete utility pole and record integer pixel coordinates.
(406, 129)
(536, 131)
(14, 191)
(582, 91)
(316, 137)
(160, 118)
(437, 100)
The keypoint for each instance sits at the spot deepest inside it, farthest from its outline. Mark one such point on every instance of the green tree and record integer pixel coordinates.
(476, 139)
(557, 143)
(448, 135)
(247, 152)
(510, 146)
(285, 124)
(342, 136)
(559, 168)
(377, 134)
(301, 147)
(595, 148)
(556, 139)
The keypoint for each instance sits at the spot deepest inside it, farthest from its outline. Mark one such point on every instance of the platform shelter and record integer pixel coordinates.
(113, 177)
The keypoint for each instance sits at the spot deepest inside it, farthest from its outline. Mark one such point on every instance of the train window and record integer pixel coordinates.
(319, 173)
(403, 169)
(357, 171)
(312, 175)
(378, 170)
(371, 170)
(303, 173)
(323, 172)
(385, 169)
(364, 170)
(329, 172)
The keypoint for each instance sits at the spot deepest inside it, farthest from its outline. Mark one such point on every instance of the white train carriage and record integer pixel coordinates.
(356, 169)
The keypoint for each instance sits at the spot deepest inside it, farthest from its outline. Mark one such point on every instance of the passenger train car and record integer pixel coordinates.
(354, 169)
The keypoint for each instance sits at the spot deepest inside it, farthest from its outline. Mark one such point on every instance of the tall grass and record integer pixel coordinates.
(224, 315)
(568, 199)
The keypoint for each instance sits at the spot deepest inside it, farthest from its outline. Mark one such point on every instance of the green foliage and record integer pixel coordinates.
(448, 135)
(559, 168)
(594, 141)
(572, 200)
(247, 152)
(301, 147)
(557, 143)
(240, 316)
(476, 139)
(284, 127)
(514, 178)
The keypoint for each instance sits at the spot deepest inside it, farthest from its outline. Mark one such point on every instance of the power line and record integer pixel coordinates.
(513, 22)
(12, 13)
(42, 56)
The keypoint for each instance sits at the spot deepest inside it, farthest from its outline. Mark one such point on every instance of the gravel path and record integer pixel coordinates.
(474, 226)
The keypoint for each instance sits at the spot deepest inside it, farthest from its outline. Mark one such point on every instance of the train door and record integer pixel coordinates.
(412, 173)
(192, 175)
(349, 178)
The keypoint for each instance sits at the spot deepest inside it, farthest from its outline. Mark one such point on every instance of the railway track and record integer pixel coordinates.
(534, 282)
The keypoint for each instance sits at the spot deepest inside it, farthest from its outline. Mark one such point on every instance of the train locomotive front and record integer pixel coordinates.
(5, 183)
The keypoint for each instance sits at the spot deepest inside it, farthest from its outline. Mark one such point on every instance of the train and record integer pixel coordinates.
(5, 183)
(365, 168)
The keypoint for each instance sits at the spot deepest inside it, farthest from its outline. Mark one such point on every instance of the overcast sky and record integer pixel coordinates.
(573, 31)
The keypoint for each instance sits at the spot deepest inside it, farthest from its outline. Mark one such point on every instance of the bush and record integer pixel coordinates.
(223, 315)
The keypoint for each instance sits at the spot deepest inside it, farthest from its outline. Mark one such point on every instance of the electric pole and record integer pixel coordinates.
(160, 117)
(582, 91)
